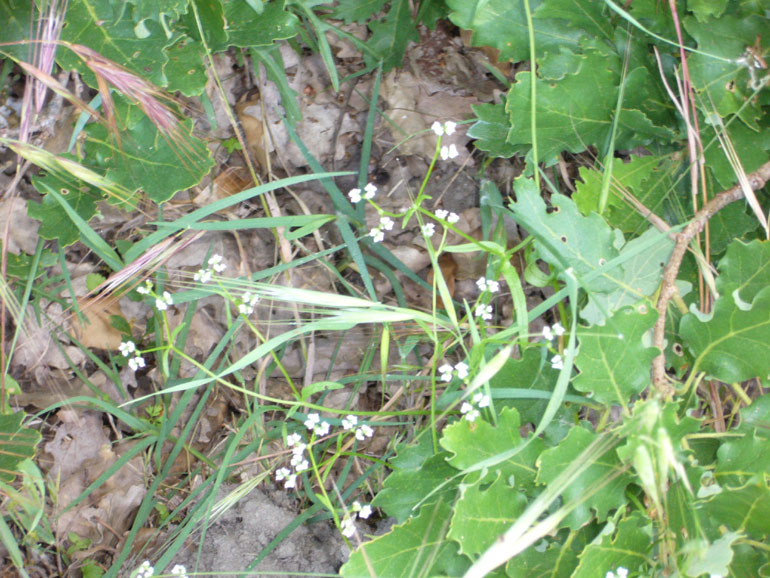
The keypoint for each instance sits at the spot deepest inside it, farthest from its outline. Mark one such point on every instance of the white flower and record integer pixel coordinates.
(248, 301)
(291, 482)
(453, 218)
(437, 128)
(386, 223)
(312, 421)
(136, 362)
(485, 284)
(355, 195)
(484, 311)
(203, 275)
(348, 528)
(215, 262)
(547, 333)
(365, 512)
(370, 190)
(558, 330)
(145, 570)
(281, 474)
(462, 370)
(179, 570)
(364, 432)
(377, 235)
(441, 214)
(349, 422)
(449, 127)
(428, 229)
(293, 439)
(446, 372)
(481, 400)
(557, 362)
(162, 303)
(322, 429)
(146, 289)
(470, 412)
(299, 449)
(623, 573)
(301, 466)
(449, 152)
(127, 348)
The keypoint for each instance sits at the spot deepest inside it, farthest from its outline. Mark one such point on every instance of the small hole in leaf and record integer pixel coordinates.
(64, 191)
(602, 262)
(642, 309)
(563, 238)
(677, 348)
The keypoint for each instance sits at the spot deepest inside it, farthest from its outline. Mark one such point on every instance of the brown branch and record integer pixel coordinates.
(756, 181)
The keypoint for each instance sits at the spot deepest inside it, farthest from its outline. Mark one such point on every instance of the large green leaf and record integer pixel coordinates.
(417, 545)
(147, 159)
(745, 270)
(597, 490)
(391, 35)
(417, 473)
(502, 24)
(731, 344)
(745, 509)
(112, 33)
(483, 512)
(571, 114)
(614, 362)
(357, 10)
(247, 28)
(15, 16)
(627, 547)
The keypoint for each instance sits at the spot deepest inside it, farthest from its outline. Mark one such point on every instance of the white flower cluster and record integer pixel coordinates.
(443, 129)
(127, 348)
(447, 371)
(315, 425)
(378, 233)
(298, 462)
(246, 303)
(488, 285)
(361, 432)
(470, 409)
(369, 191)
(447, 216)
(348, 527)
(557, 330)
(484, 311)
(146, 571)
(619, 573)
(162, 302)
(215, 265)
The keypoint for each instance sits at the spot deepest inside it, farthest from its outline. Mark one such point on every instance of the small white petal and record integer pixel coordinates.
(437, 128)
(291, 482)
(428, 229)
(441, 213)
(472, 415)
(444, 153)
(453, 218)
(547, 333)
(465, 407)
(293, 439)
(312, 420)
(462, 370)
(387, 223)
(369, 191)
(365, 512)
(161, 305)
(348, 528)
(557, 362)
(482, 284)
(493, 286)
(322, 428)
(349, 422)
(377, 235)
(558, 329)
(301, 466)
(355, 195)
(452, 152)
(449, 127)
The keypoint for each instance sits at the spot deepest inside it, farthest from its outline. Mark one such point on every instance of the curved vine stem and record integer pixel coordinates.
(756, 181)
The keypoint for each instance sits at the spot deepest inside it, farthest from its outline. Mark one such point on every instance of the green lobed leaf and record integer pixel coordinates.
(483, 512)
(596, 491)
(572, 114)
(146, 158)
(54, 222)
(626, 547)
(614, 362)
(491, 130)
(247, 28)
(357, 10)
(731, 344)
(184, 71)
(417, 473)
(111, 33)
(473, 442)
(391, 35)
(742, 459)
(745, 269)
(745, 509)
(502, 24)
(419, 543)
